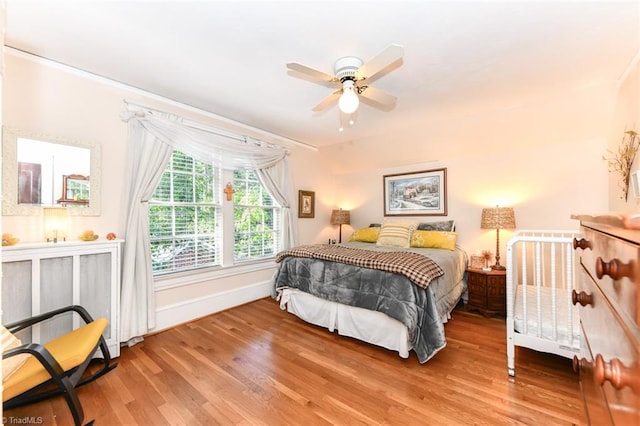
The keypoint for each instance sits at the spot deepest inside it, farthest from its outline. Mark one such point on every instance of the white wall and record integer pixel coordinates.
(626, 117)
(544, 193)
(543, 157)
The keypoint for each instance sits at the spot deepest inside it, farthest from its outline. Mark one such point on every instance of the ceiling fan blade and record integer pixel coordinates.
(314, 76)
(377, 98)
(327, 101)
(385, 58)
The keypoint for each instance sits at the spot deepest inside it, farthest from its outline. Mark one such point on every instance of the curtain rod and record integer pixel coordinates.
(209, 129)
(202, 126)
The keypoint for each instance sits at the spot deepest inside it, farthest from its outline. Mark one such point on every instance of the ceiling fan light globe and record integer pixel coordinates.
(348, 101)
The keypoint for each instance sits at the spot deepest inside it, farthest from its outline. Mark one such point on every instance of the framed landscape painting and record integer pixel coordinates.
(422, 193)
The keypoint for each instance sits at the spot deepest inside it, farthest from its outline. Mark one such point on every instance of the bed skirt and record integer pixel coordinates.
(362, 324)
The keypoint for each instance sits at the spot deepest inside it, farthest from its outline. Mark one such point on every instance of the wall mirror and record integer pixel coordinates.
(41, 171)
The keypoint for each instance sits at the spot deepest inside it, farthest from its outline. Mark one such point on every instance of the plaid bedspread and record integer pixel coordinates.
(419, 269)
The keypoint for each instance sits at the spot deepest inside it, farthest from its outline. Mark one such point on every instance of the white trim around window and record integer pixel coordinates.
(195, 276)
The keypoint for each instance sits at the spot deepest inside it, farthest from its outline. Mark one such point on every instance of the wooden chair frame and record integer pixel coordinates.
(61, 382)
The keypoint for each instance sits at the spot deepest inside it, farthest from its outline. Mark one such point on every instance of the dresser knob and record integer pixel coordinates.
(582, 298)
(581, 243)
(580, 364)
(615, 269)
(615, 373)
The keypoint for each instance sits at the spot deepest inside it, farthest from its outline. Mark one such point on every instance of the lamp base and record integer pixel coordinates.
(498, 268)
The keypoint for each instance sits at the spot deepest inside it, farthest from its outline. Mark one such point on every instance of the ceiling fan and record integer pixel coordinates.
(352, 77)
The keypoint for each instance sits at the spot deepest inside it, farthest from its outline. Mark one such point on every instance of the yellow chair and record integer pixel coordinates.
(33, 372)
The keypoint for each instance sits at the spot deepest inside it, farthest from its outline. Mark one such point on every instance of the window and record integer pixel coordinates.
(189, 225)
(256, 218)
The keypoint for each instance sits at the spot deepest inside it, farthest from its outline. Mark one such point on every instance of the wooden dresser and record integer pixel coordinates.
(607, 290)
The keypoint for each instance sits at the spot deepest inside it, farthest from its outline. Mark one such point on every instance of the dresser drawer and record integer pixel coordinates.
(606, 337)
(607, 257)
(595, 403)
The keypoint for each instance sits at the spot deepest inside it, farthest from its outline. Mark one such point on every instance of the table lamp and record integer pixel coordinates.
(340, 217)
(498, 218)
(55, 223)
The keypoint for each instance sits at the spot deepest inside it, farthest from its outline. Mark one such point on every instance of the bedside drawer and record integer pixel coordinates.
(496, 294)
(610, 256)
(477, 290)
(486, 291)
(606, 337)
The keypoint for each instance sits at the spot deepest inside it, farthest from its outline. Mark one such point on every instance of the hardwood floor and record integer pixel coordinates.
(256, 364)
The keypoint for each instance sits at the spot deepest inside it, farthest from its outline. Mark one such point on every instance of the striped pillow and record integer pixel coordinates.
(11, 365)
(395, 233)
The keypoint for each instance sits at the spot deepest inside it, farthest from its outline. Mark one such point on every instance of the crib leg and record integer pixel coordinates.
(511, 357)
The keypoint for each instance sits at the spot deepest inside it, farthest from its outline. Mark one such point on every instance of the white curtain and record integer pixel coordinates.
(276, 180)
(217, 148)
(152, 138)
(146, 162)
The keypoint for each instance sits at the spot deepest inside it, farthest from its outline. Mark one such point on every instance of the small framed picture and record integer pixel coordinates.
(476, 262)
(306, 204)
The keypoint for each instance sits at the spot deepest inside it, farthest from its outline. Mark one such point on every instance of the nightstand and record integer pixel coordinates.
(487, 291)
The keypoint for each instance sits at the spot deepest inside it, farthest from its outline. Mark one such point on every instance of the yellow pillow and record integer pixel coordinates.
(434, 239)
(366, 235)
(396, 233)
(10, 365)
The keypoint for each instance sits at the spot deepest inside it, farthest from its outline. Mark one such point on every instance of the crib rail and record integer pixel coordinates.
(541, 274)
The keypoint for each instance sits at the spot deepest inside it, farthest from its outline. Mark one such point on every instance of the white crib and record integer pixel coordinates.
(541, 274)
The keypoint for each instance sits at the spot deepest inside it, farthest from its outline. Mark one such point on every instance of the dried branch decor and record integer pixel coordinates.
(622, 160)
(486, 255)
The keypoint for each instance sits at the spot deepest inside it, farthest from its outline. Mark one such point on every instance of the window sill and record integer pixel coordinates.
(179, 279)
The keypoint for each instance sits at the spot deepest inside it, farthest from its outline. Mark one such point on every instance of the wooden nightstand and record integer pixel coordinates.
(487, 291)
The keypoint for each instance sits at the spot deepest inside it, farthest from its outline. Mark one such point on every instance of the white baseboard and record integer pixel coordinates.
(172, 315)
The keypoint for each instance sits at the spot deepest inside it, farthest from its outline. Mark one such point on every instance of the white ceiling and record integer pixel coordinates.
(229, 57)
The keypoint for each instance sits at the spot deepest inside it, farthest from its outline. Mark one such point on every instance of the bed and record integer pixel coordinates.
(382, 306)
(541, 274)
